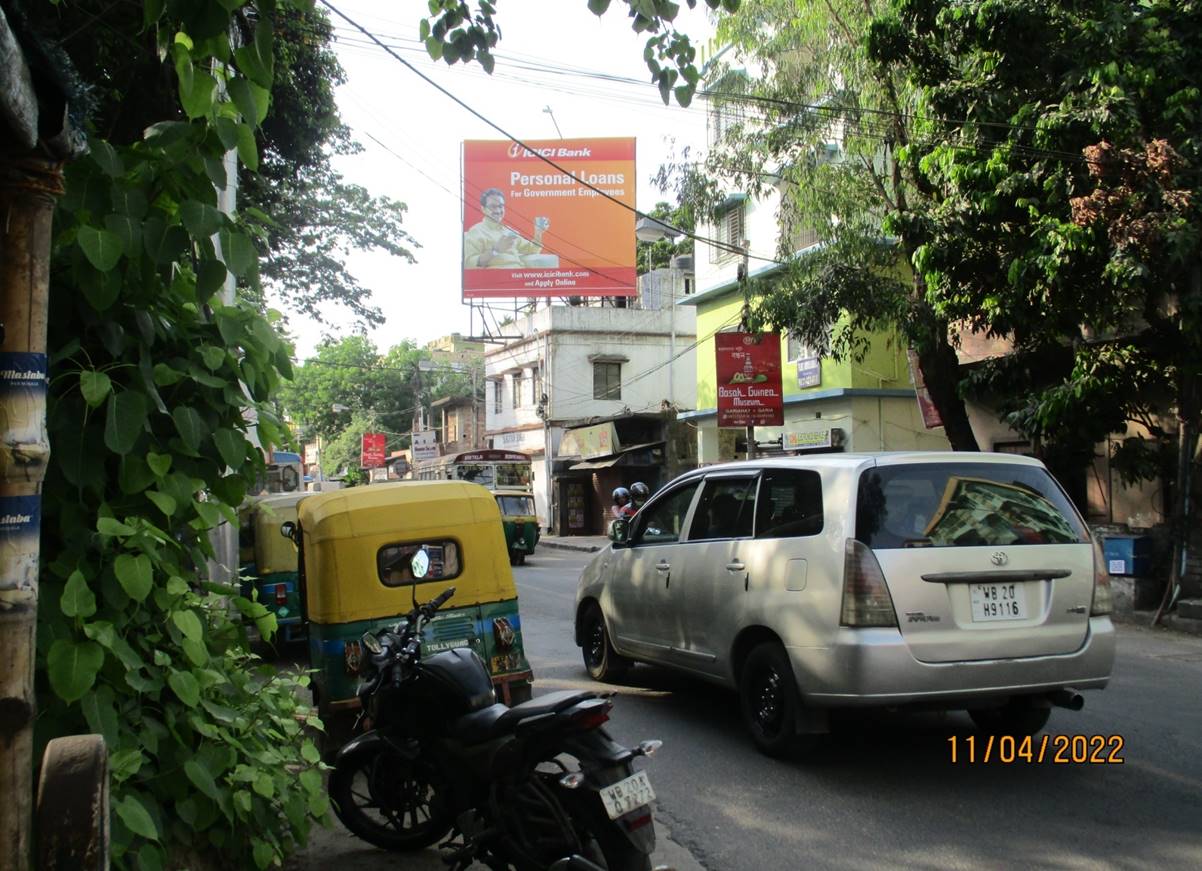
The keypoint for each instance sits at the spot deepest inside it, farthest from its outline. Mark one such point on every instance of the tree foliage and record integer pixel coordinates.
(153, 381)
(457, 32)
(1060, 142)
(659, 254)
(808, 118)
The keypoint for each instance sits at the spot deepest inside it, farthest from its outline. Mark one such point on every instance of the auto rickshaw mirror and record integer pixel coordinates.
(372, 644)
(420, 564)
(618, 530)
(288, 530)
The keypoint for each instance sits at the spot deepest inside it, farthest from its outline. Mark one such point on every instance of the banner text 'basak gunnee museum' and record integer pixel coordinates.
(533, 229)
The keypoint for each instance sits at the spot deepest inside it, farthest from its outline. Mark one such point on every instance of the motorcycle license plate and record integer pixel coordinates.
(625, 795)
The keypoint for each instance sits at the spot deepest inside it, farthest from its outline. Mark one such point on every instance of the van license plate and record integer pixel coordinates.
(625, 795)
(998, 602)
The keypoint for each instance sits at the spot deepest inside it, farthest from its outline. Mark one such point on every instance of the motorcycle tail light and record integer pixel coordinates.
(637, 822)
(281, 594)
(591, 714)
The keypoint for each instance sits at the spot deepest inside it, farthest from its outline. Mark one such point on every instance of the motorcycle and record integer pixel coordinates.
(526, 787)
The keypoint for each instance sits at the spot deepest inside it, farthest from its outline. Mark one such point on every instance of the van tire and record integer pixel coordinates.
(1016, 718)
(602, 661)
(771, 703)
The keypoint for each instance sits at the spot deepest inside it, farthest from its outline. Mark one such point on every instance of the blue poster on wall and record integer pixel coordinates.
(809, 372)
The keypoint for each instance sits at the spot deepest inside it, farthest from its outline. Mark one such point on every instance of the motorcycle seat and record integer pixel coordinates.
(496, 720)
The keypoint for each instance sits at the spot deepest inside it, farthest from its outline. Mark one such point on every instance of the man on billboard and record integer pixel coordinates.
(489, 244)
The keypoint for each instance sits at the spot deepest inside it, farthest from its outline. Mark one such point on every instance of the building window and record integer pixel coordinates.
(729, 231)
(517, 389)
(607, 381)
(798, 349)
(498, 395)
(536, 381)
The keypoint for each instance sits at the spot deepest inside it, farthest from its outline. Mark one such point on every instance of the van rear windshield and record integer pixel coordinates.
(962, 505)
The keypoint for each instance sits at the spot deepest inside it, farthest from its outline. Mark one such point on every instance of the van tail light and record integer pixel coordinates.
(281, 594)
(1103, 602)
(866, 599)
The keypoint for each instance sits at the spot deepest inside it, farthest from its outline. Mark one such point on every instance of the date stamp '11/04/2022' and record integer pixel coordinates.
(1028, 749)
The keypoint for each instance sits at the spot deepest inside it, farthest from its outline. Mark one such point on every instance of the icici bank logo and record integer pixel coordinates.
(515, 150)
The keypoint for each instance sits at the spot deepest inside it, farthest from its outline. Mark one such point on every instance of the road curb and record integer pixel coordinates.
(563, 545)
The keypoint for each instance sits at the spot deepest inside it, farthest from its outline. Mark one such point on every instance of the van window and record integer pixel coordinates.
(392, 562)
(962, 505)
(726, 509)
(790, 504)
(663, 521)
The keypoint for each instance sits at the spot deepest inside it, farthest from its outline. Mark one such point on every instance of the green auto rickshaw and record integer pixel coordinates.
(269, 563)
(519, 520)
(356, 548)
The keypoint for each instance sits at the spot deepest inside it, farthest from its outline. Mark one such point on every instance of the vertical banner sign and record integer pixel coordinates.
(930, 414)
(749, 383)
(531, 229)
(372, 455)
(22, 457)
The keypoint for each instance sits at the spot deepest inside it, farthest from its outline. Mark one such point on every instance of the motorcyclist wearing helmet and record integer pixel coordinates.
(639, 492)
(621, 500)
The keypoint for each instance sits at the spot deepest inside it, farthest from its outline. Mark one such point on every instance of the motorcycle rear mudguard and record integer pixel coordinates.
(605, 761)
(375, 738)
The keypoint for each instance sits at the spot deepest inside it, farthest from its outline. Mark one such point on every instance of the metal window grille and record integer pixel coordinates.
(607, 381)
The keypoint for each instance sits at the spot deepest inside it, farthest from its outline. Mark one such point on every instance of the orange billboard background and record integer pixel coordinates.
(588, 246)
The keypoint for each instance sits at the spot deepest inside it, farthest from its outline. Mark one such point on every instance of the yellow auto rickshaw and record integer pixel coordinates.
(356, 550)
(268, 562)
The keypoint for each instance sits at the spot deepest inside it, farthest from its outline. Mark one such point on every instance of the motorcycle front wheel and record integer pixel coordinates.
(388, 800)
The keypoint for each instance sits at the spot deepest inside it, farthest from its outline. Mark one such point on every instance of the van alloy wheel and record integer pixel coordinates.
(771, 703)
(602, 661)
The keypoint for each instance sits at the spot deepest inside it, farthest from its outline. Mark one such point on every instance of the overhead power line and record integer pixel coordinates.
(722, 246)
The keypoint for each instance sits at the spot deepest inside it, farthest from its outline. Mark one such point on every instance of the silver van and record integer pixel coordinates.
(936, 580)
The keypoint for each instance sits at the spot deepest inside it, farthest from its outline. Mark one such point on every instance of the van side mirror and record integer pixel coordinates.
(288, 530)
(619, 531)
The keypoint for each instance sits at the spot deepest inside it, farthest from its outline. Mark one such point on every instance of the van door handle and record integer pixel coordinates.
(662, 566)
(735, 566)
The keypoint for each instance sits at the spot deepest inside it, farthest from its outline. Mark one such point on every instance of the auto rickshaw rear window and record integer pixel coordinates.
(394, 562)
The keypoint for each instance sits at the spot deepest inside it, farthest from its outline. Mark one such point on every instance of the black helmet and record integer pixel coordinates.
(621, 496)
(639, 491)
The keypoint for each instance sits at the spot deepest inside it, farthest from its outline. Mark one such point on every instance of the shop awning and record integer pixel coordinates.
(624, 457)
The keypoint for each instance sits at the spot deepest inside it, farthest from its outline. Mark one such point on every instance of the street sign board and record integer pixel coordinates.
(749, 381)
(373, 450)
(425, 445)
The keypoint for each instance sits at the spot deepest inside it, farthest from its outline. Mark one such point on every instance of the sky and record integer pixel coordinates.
(550, 54)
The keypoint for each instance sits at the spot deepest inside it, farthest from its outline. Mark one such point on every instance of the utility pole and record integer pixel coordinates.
(745, 284)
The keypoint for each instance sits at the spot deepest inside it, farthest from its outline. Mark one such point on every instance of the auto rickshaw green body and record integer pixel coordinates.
(357, 545)
(519, 520)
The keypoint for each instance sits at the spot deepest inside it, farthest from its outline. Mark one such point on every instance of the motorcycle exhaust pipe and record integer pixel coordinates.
(1067, 698)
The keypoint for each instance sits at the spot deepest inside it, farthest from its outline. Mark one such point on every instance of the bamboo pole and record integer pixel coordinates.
(28, 188)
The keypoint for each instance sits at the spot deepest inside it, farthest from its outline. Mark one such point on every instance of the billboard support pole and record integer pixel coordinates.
(746, 285)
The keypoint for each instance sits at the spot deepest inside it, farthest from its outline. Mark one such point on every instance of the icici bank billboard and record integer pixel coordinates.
(533, 229)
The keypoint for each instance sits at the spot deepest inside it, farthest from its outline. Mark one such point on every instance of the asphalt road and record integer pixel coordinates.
(884, 792)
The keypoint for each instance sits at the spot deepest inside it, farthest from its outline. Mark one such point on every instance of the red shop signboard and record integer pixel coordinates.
(749, 388)
(372, 454)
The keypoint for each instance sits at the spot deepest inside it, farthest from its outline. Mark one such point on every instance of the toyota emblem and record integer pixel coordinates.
(999, 559)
